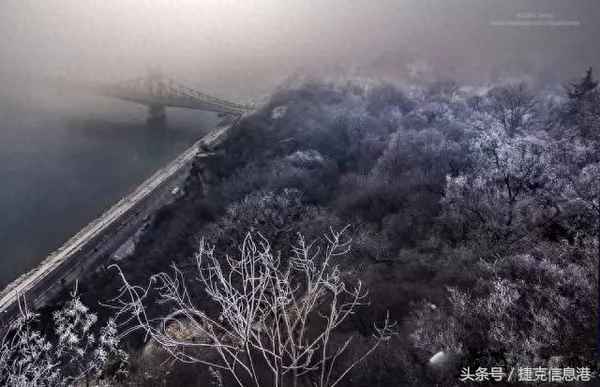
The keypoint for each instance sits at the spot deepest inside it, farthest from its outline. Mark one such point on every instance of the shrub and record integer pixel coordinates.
(526, 310)
(278, 216)
(72, 353)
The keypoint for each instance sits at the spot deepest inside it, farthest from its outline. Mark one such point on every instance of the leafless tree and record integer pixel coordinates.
(73, 354)
(24, 353)
(275, 314)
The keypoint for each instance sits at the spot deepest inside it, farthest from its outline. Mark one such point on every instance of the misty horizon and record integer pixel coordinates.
(244, 49)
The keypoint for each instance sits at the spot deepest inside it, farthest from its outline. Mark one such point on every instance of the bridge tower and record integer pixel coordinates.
(156, 86)
(157, 115)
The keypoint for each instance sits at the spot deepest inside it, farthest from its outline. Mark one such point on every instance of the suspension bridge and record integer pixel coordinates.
(157, 92)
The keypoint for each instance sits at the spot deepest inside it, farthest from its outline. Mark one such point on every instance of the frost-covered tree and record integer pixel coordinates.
(583, 109)
(583, 188)
(575, 173)
(26, 355)
(75, 351)
(526, 310)
(276, 215)
(512, 106)
(504, 196)
(425, 155)
(276, 319)
(578, 90)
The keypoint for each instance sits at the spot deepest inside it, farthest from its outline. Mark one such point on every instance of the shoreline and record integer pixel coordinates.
(105, 234)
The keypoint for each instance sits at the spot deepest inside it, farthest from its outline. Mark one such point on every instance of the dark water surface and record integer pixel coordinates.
(66, 159)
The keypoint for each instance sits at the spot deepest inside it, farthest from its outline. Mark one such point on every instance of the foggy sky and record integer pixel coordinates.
(245, 47)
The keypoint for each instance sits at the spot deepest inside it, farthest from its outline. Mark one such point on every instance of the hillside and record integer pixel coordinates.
(471, 214)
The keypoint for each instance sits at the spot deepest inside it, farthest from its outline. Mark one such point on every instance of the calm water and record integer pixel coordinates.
(66, 159)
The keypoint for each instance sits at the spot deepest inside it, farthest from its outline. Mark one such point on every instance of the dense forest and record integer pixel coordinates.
(406, 231)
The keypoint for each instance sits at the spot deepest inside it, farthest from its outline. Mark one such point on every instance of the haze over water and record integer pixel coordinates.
(67, 159)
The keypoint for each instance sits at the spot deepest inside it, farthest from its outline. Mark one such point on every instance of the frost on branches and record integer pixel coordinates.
(276, 317)
(75, 351)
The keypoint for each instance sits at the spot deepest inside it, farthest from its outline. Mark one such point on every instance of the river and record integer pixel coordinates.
(64, 159)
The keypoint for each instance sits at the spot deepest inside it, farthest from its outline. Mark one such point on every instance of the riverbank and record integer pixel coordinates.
(103, 236)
